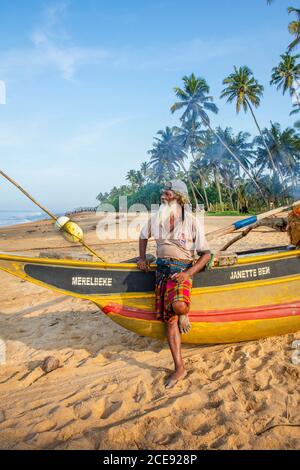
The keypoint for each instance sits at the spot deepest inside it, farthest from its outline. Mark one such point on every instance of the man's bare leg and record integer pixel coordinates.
(174, 340)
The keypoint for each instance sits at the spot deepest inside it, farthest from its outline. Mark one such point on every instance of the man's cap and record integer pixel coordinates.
(178, 186)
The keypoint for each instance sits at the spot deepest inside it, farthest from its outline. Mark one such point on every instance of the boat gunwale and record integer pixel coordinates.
(131, 266)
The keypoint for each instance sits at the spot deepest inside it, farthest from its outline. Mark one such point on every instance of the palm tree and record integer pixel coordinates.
(135, 178)
(225, 167)
(294, 28)
(214, 158)
(296, 109)
(102, 197)
(165, 155)
(245, 90)
(230, 181)
(168, 155)
(214, 161)
(131, 178)
(191, 136)
(139, 179)
(145, 170)
(240, 144)
(195, 100)
(200, 169)
(285, 149)
(286, 74)
(274, 186)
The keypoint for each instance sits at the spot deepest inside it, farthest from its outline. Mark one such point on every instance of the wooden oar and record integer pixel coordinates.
(247, 222)
(47, 212)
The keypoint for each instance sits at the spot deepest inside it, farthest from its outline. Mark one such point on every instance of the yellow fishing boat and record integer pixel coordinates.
(255, 297)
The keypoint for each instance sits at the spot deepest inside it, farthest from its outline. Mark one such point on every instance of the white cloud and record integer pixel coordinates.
(52, 48)
(45, 55)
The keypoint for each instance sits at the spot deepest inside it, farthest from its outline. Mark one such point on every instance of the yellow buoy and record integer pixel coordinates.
(71, 231)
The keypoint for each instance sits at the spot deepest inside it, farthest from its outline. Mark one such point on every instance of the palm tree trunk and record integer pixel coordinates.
(204, 188)
(191, 183)
(264, 142)
(217, 181)
(201, 181)
(236, 158)
(231, 199)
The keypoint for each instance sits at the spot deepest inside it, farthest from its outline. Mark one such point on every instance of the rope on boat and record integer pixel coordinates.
(52, 216)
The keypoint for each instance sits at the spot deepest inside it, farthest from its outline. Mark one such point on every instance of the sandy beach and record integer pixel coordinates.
(109, 391)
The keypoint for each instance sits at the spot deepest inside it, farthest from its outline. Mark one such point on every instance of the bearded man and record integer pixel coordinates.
(178, 235)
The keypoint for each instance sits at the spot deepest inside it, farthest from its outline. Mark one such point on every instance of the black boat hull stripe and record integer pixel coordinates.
(88, 281)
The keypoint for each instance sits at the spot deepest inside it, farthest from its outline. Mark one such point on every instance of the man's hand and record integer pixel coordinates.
(181, 277)
(142, 264)
(184, 324)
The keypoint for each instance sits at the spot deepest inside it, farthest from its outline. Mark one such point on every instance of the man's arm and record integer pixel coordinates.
(142, 262)
(196, 268)
(145, 234)
(199, 265)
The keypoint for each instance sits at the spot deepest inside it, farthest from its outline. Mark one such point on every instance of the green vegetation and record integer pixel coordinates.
(226, 172)
(227, 213)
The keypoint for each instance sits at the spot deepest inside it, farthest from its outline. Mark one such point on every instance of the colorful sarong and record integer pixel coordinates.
(168, 291)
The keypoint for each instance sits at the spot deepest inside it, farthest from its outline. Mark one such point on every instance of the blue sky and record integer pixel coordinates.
(89, 83)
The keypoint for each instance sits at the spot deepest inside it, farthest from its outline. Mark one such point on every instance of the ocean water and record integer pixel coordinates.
(20, 217)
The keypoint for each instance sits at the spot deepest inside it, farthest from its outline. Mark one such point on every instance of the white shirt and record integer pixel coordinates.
(186, 238)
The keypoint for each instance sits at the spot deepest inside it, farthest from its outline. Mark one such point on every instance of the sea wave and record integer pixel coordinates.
(8, 218)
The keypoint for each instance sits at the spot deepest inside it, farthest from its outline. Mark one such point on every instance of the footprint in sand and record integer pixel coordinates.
(213, 405)
(220, 373)
(82, 411)
(204, 429)
(31, 377)
(2, 416)
(170, 439)
(140, 392)
(111, 409)
(255, 363)
(107, 387)
(82, 362)
(220, 442)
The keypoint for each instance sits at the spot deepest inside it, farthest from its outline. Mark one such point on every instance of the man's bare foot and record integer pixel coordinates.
(175, 378)
(184, 324)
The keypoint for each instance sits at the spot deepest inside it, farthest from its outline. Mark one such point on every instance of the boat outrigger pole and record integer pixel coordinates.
(70, 228)
(249, 221)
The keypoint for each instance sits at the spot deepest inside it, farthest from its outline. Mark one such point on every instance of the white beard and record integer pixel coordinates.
(163, 221)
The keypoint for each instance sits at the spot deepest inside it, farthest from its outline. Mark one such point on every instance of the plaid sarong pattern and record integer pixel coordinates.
(168, 291)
